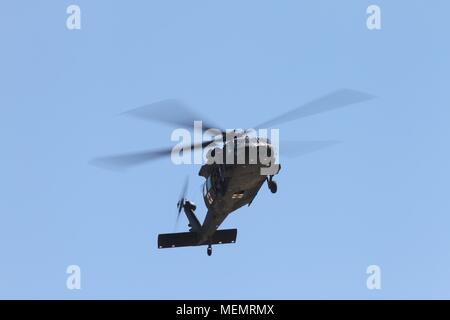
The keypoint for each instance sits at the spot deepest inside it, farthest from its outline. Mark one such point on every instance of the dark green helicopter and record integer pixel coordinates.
(228, 185)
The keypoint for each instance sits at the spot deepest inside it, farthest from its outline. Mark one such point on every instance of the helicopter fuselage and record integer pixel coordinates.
(229, 186)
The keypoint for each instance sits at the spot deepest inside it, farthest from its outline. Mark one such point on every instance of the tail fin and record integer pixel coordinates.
(188, 239)
(189, 210)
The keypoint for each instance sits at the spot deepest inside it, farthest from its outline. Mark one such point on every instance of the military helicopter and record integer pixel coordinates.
(228, 185)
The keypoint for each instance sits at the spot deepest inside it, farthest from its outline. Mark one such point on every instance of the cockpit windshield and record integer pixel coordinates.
(208, 183)
(207, 186)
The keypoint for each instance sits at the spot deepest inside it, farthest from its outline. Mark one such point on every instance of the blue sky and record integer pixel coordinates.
(380, 197)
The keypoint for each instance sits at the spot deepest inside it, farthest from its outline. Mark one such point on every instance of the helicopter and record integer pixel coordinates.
(229, 183)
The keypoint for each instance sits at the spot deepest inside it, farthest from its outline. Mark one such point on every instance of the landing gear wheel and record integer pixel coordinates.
(273, 186)
(209, 250)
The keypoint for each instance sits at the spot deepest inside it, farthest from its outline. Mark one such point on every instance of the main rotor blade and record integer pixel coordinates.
(299, 148)
(334, 100)
(172, 112)
(128, 160)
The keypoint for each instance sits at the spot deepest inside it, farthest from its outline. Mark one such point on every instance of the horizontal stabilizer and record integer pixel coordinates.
(188, 239)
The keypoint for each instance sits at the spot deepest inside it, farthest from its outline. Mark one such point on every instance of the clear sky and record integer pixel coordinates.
(380, 197)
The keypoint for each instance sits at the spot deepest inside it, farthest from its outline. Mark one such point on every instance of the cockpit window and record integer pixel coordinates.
(207, 186)
(207, 190)
(208, 183)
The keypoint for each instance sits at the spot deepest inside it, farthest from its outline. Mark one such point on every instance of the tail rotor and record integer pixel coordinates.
(182, 199)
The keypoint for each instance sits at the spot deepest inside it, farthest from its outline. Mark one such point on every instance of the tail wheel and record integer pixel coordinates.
(209, 250)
